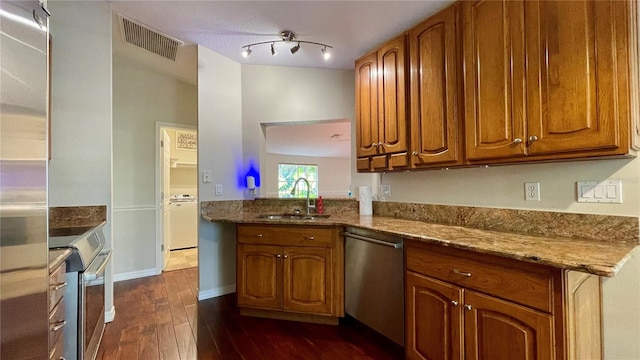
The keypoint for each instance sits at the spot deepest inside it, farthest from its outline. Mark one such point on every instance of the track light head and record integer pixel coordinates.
(295, 49)
(246, 52)
(326, 53)
(273, 50)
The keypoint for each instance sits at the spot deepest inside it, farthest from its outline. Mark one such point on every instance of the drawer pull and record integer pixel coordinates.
(259, 235)
(463, 273)
(278, 256)
(286, 256)
(468, 307)
(454, 303)
(58, 286)
(309, 237)
(58, 325)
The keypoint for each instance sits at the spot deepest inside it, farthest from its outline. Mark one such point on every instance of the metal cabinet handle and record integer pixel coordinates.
(463, 273)
(415, 153)
(309, 237)
(58, 325)
(58, 286)
(286, 256)
(454, 303)
(375, 144)
(380, 143)
(468, 307)
(517, 141)
(259, 235)
(533, 138)
(278, 256)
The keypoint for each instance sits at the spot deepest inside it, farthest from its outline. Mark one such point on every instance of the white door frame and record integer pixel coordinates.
(158, 185)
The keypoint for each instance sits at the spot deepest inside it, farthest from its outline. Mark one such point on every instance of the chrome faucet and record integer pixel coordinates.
(293, 192)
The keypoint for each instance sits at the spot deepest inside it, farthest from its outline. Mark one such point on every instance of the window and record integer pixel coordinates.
(289, 173)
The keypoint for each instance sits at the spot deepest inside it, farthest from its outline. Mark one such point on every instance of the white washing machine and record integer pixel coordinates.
(183, 218)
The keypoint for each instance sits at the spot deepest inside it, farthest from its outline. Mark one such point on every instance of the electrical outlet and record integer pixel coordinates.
(218, 189)
(532, 191)
(385, 189)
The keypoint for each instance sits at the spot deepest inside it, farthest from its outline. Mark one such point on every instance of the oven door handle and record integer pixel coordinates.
(97, 266)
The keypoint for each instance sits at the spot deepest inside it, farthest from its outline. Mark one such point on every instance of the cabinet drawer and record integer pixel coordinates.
(522, 283)
(286, 235)
(57, 284)
(57, 322)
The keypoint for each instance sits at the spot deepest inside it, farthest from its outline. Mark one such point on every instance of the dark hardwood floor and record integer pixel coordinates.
(159, 317)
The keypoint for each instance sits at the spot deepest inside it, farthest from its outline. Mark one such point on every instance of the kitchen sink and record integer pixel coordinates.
(293, 216)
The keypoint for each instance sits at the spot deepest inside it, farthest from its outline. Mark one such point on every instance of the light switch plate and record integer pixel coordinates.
(218, 189)
(608, 191)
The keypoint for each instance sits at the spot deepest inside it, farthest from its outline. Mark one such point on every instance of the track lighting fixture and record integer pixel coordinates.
(295, 49)
(287, 36)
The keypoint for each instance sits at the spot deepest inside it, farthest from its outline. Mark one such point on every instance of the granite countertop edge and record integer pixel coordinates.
(57, 257)
(589, 256)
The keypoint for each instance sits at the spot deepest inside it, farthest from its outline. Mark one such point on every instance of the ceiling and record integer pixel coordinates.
(319, 139)
(353, 28)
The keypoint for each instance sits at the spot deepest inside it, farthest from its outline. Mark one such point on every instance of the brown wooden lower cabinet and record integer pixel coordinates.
(453, 314)
(290, 272)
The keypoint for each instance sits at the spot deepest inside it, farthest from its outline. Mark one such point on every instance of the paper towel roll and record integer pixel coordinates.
(365, 200)
(251, 182)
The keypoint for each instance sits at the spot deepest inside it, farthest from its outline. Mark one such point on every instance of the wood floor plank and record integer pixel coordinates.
(186, 342)
(171, 354)
(148, 346)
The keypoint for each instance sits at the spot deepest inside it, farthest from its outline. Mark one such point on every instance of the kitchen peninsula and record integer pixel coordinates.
(536, 276)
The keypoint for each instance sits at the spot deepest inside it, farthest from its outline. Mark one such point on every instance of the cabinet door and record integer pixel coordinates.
(259, 276)
(307, 280)
(497, 329)
(434, 84)
(392, 104)
(367, 105)
(493, 40)
(433, 319)
(576, 81)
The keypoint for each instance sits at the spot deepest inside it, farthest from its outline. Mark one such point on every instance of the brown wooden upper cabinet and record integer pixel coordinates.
(545, 79)
(502, 82)
(381, 107)
(435, 120)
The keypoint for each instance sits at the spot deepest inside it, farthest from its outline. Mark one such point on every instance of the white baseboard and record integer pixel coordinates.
(110, 314)
(208, 294)
(134, 275)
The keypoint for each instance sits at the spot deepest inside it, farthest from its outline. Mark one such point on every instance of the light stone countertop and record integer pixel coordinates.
(604, 258)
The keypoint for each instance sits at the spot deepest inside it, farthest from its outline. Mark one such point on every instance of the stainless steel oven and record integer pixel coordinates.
(91, 306)
(84, 294)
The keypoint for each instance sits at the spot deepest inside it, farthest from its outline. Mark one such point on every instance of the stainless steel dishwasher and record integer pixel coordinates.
(374, 281)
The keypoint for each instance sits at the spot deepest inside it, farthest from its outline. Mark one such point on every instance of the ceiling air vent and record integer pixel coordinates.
(148, 38)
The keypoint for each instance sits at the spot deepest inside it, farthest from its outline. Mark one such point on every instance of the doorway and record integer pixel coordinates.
(177, 204)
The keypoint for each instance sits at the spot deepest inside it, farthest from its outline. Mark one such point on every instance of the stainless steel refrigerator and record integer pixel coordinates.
(24, 275)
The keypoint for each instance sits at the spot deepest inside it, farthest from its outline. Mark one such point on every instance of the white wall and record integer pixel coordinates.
(503, 187)
(80, 170)
(272, 94)
(141, 98)
(334, 174)
(220, 151)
